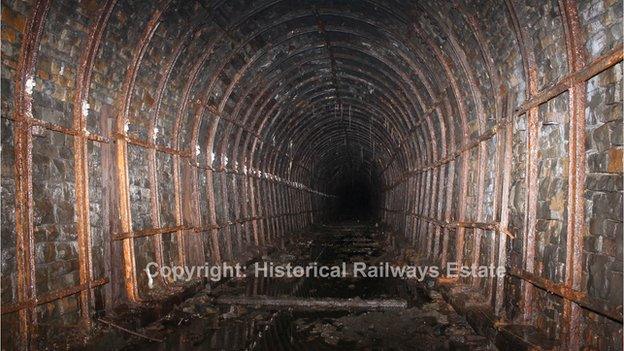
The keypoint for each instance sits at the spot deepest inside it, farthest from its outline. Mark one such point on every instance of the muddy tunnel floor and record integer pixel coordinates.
(310, 313)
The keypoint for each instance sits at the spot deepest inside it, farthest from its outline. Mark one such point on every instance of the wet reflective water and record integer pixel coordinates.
(426, 324)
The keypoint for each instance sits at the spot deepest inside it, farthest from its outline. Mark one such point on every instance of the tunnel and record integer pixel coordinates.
(140, 135)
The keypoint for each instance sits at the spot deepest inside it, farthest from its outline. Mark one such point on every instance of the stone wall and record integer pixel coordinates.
(538, 254)
(190, 131)
(146, 77)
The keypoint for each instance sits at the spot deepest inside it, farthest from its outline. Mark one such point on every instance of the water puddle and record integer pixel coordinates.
(426, 322)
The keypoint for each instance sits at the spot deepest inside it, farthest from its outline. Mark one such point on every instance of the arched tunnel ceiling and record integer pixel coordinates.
(481, 132)
(307, 90)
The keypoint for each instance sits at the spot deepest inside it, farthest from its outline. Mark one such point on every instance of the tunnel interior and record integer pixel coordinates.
(356, 196)
(177, 132)
(354, 199)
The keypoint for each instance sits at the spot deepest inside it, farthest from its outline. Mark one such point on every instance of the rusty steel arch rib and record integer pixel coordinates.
(25, 256)
(267, 107)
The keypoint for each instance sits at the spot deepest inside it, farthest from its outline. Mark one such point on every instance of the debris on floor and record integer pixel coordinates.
(260, 313)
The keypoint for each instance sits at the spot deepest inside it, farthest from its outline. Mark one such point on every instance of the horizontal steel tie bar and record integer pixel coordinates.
(53, 296)
(149, 145)
(167, 230)
(473, 144)
(34, 122)
(600, 64)
(149, 232)
(252, 174)
(495, 226)
(567, 293)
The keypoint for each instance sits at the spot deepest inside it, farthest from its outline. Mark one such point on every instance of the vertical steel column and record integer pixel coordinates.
(228, 229)
(576, 59)
(440, 170)
(25, 255)
(450, 171)
(530, 69)
(251, 183)
(481, 168)
(153, 162)
(234, 197)
(261, 209)
(191, 210)
(214, 234)
(177, 195)
(496, 236)
(155, 202)
(83, 80)
(124, 212)
(500, 140)
(24, 228)
(244, 209)
(433, 195)
(210, 191)
(495, 82)
(505, 151)
(83, 83)
(122, 152)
